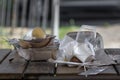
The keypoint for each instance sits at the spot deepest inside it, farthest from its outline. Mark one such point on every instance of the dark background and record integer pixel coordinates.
(71, 12)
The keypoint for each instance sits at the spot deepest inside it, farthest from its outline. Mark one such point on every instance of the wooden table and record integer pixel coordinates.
(21, 69)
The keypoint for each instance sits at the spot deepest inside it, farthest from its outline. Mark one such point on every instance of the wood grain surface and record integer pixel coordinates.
(19, 68)
(40, 68)
(3, 54)
(12, 69)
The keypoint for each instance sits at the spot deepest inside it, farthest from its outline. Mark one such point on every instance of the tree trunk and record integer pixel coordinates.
(4, 4)
(38, 12)
(45, 14)
(24, 9)
(9, 5)
(55, 17)
(14, 16)
(35, 13)
(30, 14)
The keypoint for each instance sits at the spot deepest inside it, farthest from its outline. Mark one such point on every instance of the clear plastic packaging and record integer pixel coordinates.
(87, 46)
(94, 70)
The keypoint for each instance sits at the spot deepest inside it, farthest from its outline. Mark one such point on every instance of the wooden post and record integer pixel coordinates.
(9, 6)
(38, 12)
(24, 10)
(4, 4)
(45, 13)
(14, 16)
(55, 15)
(30, 14)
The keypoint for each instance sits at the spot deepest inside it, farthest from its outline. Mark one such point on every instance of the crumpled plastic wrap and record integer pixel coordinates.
(94, 70)
(73, 48)
(87, 46)
(35, 47)
(21, 52)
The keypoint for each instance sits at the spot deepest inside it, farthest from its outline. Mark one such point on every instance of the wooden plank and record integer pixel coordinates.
(36, 69)
(77, 77)
(74, 70)
(40, 68)
(118, 66)
(64, 69)
(109, 70)
(3, 54)
(14, 69)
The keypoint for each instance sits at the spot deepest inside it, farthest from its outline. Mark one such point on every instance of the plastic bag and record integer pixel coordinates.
(79, 46)
(89, 33)
(94, 70)
(86, 45)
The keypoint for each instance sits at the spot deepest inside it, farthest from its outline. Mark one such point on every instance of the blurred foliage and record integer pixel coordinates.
(3, 39)
(4, 34)
(4, 43)
(106, 24)
(65, 29)
(72, 22)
